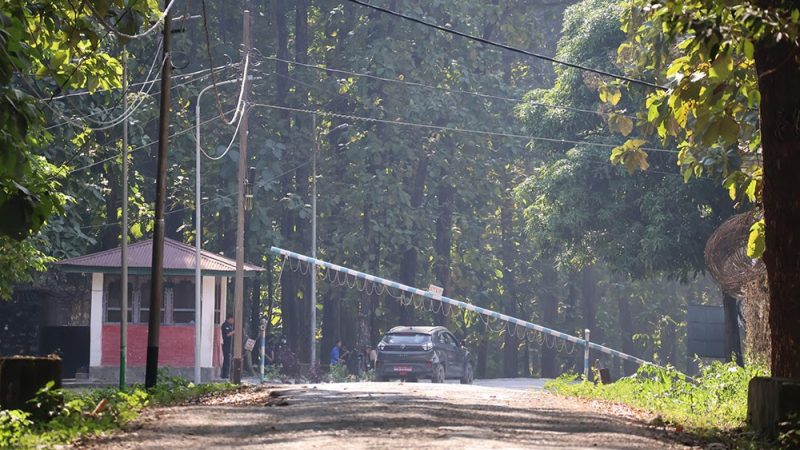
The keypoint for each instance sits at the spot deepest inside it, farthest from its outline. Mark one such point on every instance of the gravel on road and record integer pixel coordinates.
(392, 415)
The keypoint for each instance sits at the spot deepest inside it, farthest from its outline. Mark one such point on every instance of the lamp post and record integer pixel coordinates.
(198, 232)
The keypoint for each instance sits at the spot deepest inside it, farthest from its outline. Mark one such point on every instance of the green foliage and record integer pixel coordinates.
(18, 260)
(272, 372)
(61, 416)
(578, 206)
(55, 44)
(13, 425)
(337, 373)
(715, 400)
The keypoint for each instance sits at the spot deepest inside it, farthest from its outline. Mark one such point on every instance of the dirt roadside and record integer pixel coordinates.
(392, 415)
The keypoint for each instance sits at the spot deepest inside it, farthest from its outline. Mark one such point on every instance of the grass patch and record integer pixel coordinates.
(714, 405)
(59, 416)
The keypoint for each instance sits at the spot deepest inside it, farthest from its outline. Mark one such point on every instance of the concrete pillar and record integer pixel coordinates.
(96, 322)
(207, 323)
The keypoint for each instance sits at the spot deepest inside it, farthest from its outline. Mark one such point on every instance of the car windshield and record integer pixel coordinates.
(406, 338)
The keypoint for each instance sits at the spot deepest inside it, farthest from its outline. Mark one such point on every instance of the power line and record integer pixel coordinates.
(218, 198)
(178, 133)
(439, 88)
(113, 28)
(191, 74)
(453, 129)
(508, 47)
(190, 81)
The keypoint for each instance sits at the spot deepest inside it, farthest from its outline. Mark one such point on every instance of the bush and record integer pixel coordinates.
(716, 399)
(337, 373)
(63, 416)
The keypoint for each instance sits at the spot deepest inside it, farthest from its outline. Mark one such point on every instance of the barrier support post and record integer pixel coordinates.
(263, 346)
(586, 355)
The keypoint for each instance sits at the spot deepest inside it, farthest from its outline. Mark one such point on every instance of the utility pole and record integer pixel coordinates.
(238, 292)
(313, 353)
(123, 321)
(157, 265)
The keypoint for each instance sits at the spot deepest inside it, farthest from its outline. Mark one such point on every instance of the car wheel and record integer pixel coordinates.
(438, 374)
(468, 375)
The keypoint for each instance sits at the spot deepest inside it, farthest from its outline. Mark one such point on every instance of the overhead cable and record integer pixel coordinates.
(508, 47)
(115, 30)
(453, 129)
(154, 93)
(439, 88)
(178, 133)
(139, 83)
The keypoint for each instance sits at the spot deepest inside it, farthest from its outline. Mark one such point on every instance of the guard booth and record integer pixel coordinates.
(176, 342)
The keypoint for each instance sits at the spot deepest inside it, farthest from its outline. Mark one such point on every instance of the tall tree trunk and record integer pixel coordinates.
(779, 85)
(508, 257)
(303, 129)
(443, 248)
(623, 305)
(364, 304)
(549, 316)
(408, 261)
(289, 313)
(733, 344)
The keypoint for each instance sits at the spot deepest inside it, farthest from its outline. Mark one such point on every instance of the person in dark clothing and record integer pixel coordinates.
(227, 346)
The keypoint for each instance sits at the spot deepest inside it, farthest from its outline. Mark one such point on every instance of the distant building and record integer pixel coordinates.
(176, 349)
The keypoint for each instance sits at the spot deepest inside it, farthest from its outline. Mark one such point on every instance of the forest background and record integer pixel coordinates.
(527, 216)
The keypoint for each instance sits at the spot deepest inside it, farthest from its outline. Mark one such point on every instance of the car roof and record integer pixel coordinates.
(416, 329)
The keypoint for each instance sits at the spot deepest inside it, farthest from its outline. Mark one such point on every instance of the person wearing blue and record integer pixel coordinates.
(335, 353)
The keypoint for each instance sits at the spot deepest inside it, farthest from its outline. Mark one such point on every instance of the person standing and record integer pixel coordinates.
(336, 353)
(227, 345)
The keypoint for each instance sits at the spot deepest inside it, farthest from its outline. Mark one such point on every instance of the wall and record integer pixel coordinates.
(176, 345)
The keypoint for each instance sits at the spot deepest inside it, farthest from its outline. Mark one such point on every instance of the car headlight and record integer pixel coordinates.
(381, 346)
(427, 346)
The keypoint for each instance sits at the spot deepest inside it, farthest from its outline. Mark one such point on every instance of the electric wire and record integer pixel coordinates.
(113, 28)
(211, 64)
(152, 94)
(178, 133)
(216, 199)
(508, 47)
(452, 129)
(98, 91)
(439, 88)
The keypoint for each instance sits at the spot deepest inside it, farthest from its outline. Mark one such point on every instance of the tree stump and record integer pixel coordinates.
(22, 376)
(771, 401)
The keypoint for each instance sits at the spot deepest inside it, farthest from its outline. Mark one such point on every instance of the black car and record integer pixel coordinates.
(412, 353)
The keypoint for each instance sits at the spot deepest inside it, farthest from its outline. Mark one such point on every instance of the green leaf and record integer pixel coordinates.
(755, 242)
(621, 124)
(136, 230)
(729, 130)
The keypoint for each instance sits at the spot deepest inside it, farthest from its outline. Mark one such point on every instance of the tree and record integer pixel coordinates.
(46, 47)
(730, 102)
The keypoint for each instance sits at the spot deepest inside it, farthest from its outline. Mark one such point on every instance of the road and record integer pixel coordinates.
(489, 414)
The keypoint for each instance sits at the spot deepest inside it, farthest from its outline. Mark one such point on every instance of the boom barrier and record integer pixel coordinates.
(468, 306)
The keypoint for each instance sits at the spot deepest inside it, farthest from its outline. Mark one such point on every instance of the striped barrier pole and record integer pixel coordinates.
(586, 349)
(467, 306)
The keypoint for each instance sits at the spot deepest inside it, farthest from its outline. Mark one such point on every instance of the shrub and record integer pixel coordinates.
(717, 398)
(62, 416)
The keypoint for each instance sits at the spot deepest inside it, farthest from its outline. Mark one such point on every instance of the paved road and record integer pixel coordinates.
(393, 415)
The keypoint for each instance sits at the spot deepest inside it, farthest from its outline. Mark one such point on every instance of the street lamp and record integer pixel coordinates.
(198, 231)
(313, 331)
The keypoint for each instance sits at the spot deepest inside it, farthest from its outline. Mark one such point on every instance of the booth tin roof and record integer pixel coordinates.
(179, 259)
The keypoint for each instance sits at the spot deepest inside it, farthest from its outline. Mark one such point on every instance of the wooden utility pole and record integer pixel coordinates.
(238, 293)
(123, 319)
(157, 265)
